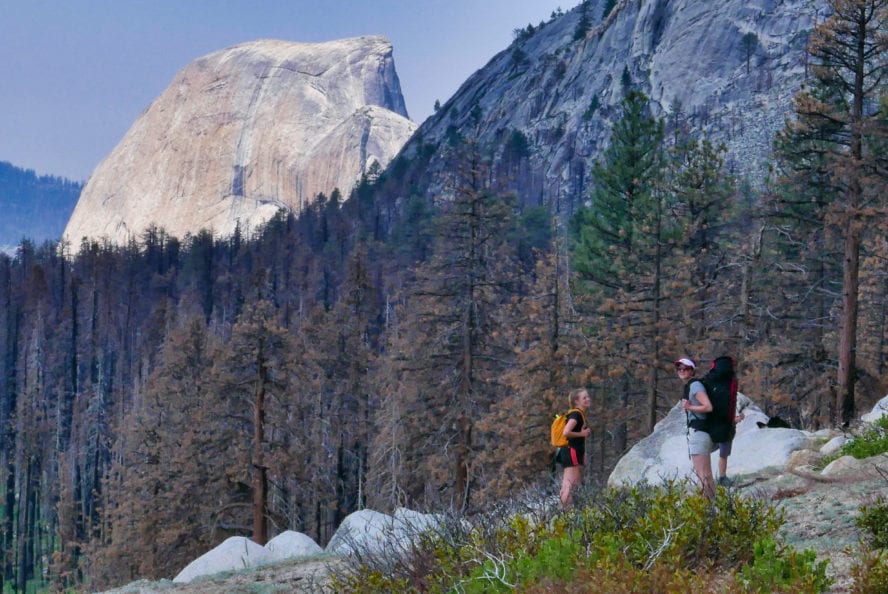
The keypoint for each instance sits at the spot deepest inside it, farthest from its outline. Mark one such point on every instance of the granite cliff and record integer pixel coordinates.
(727, 69)
(244, 131)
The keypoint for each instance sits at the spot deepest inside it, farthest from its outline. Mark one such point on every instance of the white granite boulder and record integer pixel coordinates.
(833, 445)
(663, 455)
(360, 529)
(289, 544)
(409, 523)
(234, 553)
(371, 530)
(878, 411)
(872, 467)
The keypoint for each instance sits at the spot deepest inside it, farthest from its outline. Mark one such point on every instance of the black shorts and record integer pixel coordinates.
(568, 456)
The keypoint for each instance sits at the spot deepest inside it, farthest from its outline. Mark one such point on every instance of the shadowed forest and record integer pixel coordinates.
(397, 348)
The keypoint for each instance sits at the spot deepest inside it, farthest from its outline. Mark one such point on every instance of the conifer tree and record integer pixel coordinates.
(618, 254)
(257, 369)
(546, 368)
(453, 355)
(838, 131)
(704, 211)
(169, 485)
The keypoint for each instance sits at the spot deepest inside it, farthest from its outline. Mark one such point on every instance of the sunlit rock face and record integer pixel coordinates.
(244, 131)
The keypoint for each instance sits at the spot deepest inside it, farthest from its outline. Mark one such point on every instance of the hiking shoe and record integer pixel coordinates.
(724, 481)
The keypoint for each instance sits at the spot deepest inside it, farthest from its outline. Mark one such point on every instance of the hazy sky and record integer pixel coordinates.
(75, 74)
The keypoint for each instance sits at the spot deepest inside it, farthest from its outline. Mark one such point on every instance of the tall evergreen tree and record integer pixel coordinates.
(453, 355)
(618, 254)
(836, 129)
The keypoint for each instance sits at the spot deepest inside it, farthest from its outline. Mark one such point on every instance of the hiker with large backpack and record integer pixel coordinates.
(569, 433)
(696, 404)
(721, 386)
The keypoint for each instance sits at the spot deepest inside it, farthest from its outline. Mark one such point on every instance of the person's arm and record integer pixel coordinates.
(705, 405)
(571, 434)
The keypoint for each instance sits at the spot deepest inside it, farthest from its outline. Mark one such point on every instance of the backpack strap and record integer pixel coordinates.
(582, 416)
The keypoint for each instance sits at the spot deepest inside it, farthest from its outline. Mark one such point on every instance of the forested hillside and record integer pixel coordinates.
(399, 348)
(34, 207)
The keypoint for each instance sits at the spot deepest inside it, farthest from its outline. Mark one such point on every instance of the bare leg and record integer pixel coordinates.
(703, 470)
(571, 478)
(722, 467)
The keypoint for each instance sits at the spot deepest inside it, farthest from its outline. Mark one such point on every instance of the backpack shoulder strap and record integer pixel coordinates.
(582, 416)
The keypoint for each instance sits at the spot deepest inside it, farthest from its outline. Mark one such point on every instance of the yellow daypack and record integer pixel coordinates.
(558, 439)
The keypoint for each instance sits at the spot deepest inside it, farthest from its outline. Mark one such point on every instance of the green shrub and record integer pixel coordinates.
(871, 442)
(556, 558)
(873, 520)
(784, 570)
(642, 539)
(683, 530)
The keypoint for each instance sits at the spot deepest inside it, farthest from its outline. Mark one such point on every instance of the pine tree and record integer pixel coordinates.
(452, 356)
(257, 369)
(618, 254)
(838, 130)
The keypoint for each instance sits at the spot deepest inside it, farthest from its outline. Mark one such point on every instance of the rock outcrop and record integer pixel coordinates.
(363, 529)
(234, 553)
(663, 455)
(726, 69)
(245, 131)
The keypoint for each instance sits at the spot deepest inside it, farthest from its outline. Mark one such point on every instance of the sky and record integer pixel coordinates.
(75, 74)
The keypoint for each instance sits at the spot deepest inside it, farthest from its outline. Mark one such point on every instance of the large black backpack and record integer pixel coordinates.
(721, 387)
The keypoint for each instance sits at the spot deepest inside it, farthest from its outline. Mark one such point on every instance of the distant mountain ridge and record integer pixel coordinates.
(245, 131)
(34, 207)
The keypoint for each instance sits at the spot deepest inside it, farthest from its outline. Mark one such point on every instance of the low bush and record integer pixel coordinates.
(640, 539)
(871, 573)
(871, 441)
(873, 521)
(779, 569)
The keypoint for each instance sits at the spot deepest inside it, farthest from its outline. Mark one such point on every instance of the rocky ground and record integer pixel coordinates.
(820, 514)
(302, 575)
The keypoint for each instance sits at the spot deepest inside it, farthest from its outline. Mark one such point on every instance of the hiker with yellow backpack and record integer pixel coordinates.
(569, 433)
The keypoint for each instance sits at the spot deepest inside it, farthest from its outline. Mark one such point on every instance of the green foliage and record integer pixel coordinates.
(873, 520)
(594, 104)
(782, 569)
(626, 80)
(614, 234)
(749, 43)
(872, 442)
(643, 539)
(584, 23)
(556, 558)
(534, 232)
(518, 145)
(666, 525)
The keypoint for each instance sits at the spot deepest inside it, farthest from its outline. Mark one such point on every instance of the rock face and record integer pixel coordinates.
(663, 455)
(725, 68)
(244, 131)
